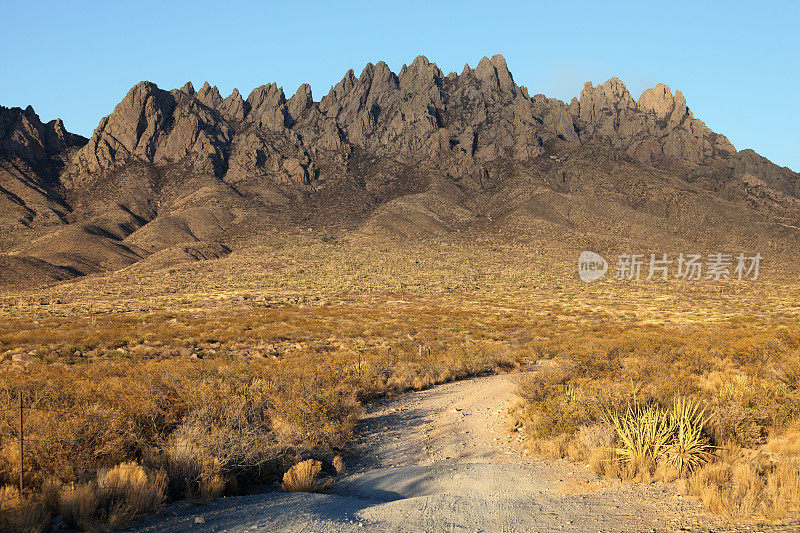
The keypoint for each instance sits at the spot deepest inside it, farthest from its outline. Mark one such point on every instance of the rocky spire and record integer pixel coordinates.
(658, 125)
(209, 96)
(301, 100)
(267, 106)
(597, 102)
(495, 73)
(188, 88)
(233, 106)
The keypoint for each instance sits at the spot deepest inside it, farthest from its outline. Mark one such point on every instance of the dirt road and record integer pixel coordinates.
(442, 460)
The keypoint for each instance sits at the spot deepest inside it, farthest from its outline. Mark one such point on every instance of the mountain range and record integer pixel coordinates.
(186, 174)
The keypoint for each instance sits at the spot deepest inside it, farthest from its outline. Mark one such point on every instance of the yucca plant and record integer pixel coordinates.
(645, 432)
(688, 449)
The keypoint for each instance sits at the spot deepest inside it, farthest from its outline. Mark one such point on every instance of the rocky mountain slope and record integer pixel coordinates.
(414, 153)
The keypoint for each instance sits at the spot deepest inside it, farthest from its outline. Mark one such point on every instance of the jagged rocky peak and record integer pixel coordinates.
(659, 100)
(377, 80)
(658, 125)
(611, 96)
(417, 114)
(209, 96)
(188, 88)
(495, 72)
(156, 126)
(301, 100)
(347, 82)
(233, 106)
(420, 71)
(267, 107)
(23, 135)
(136, 122)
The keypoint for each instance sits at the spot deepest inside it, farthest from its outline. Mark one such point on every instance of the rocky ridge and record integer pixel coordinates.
(25, 137)
(465, 120)
(417, 149)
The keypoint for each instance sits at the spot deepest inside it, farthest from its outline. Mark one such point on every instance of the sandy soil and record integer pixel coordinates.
(442, 460)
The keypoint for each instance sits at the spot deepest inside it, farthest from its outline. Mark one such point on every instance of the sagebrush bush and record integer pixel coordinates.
(118, 496)
(303, 477)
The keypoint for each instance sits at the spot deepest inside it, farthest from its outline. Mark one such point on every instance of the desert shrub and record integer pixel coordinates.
(302, 477)
(118, 496)
(688, 448)
(787, 371)
(191, 474)
(79, 506)
(737, 489)
(338, 465)
(141, 491)
(596, 436)
(218, 445)
(9, 497)
(731, 422)
(23, 514)
(645, 432)
(557, 404)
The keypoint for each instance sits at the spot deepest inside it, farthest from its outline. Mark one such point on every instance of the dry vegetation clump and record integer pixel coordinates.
(248, 398)
(338, 465)
(23, 514)
(116, 497)
(303, 477)
(109, 502)
(713, 406)
(743, 483)
(222, 374)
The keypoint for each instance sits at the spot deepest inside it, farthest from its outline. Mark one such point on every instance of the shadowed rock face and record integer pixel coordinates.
(24, 136)
(158, 127)
(461, 121)
(31, 156)
(186, 166)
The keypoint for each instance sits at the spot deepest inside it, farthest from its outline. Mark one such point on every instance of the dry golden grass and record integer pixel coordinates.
(303, 477)
(735, 372)
(277, 347)
(338, 465)
(118, 495)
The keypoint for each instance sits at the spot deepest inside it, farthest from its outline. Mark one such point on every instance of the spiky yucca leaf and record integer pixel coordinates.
(688, 449)
(645, 432)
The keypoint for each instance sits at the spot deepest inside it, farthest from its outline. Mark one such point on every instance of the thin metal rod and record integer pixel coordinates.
(21, 450)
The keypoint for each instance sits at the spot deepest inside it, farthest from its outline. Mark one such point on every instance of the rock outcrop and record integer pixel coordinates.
(185, 166)
(31, 157)
(461, 123)
(24, 136)
(657, 126)
(158, 127)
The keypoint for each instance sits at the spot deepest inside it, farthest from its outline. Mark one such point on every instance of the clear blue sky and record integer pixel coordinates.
(737, 63)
